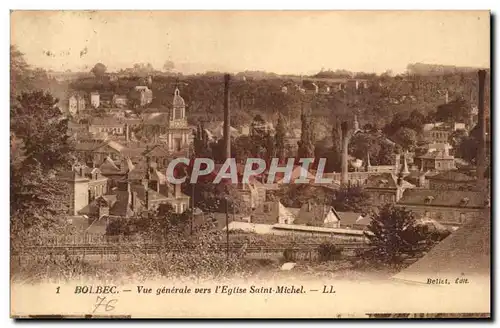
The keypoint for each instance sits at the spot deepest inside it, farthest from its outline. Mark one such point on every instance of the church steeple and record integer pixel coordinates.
(179, 106)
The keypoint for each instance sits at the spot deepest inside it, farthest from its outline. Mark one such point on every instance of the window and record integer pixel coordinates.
(183, 207)
(439, 216)
(178, 113)
(175, 208)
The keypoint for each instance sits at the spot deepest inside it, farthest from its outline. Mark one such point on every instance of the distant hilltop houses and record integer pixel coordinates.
(78, 102)
(325, 86)
(435, 69)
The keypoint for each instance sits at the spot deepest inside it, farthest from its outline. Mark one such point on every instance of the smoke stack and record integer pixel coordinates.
(227, 123)
(345, 145)
(481, 151)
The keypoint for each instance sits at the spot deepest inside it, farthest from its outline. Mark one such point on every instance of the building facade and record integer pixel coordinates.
(76, 104)
(86, 184)
(451, 208)
(145, 95)
(95, 99)
(436, 161)
(178, 133)
(120, 100)
(107, 125)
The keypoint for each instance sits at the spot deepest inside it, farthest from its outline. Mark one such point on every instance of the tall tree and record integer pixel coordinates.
(39, 123)
(40, 149)
(19, 72)
(280, 136)
(98, 70)
(406, 138)
(306, 142)
(395, 234)
(353, 199)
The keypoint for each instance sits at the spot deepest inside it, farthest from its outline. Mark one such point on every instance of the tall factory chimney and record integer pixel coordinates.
(481, 151)
(344, 179)
(227, 123)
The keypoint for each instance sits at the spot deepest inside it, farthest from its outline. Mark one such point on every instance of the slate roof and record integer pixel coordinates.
(385, 181)
(133, 152)
(109, 167)
(450, 198)
(315, 215)
(85, 146)
(112, 144)
(382, 180)
(156, 150)
(351, 218)
(118, 201)
(105, 121)
(454, 176)
(156, 119)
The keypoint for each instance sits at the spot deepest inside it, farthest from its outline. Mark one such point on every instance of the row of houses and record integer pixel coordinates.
(98, 137)
(80, 101)
(326, 86)
(120, 190)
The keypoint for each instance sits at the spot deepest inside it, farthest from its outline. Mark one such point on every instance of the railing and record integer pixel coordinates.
(117, 252)
(91, 239)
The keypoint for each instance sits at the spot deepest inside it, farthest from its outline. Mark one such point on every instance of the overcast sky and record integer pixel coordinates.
(281, 42)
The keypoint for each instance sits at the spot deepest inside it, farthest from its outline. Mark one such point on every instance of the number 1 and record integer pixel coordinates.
(57, 292)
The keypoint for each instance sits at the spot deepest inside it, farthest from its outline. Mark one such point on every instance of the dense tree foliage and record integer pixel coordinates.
(454, 111)
(394, 235)
(307, 137)
(39, 149)
(406, 138)
(98, 70)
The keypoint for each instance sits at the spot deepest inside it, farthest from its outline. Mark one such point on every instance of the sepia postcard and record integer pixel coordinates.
(250, 164)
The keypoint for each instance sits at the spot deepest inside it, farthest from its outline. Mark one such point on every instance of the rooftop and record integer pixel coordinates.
(436, 155)
(454, 176)
(450, 198)
(105, 121)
